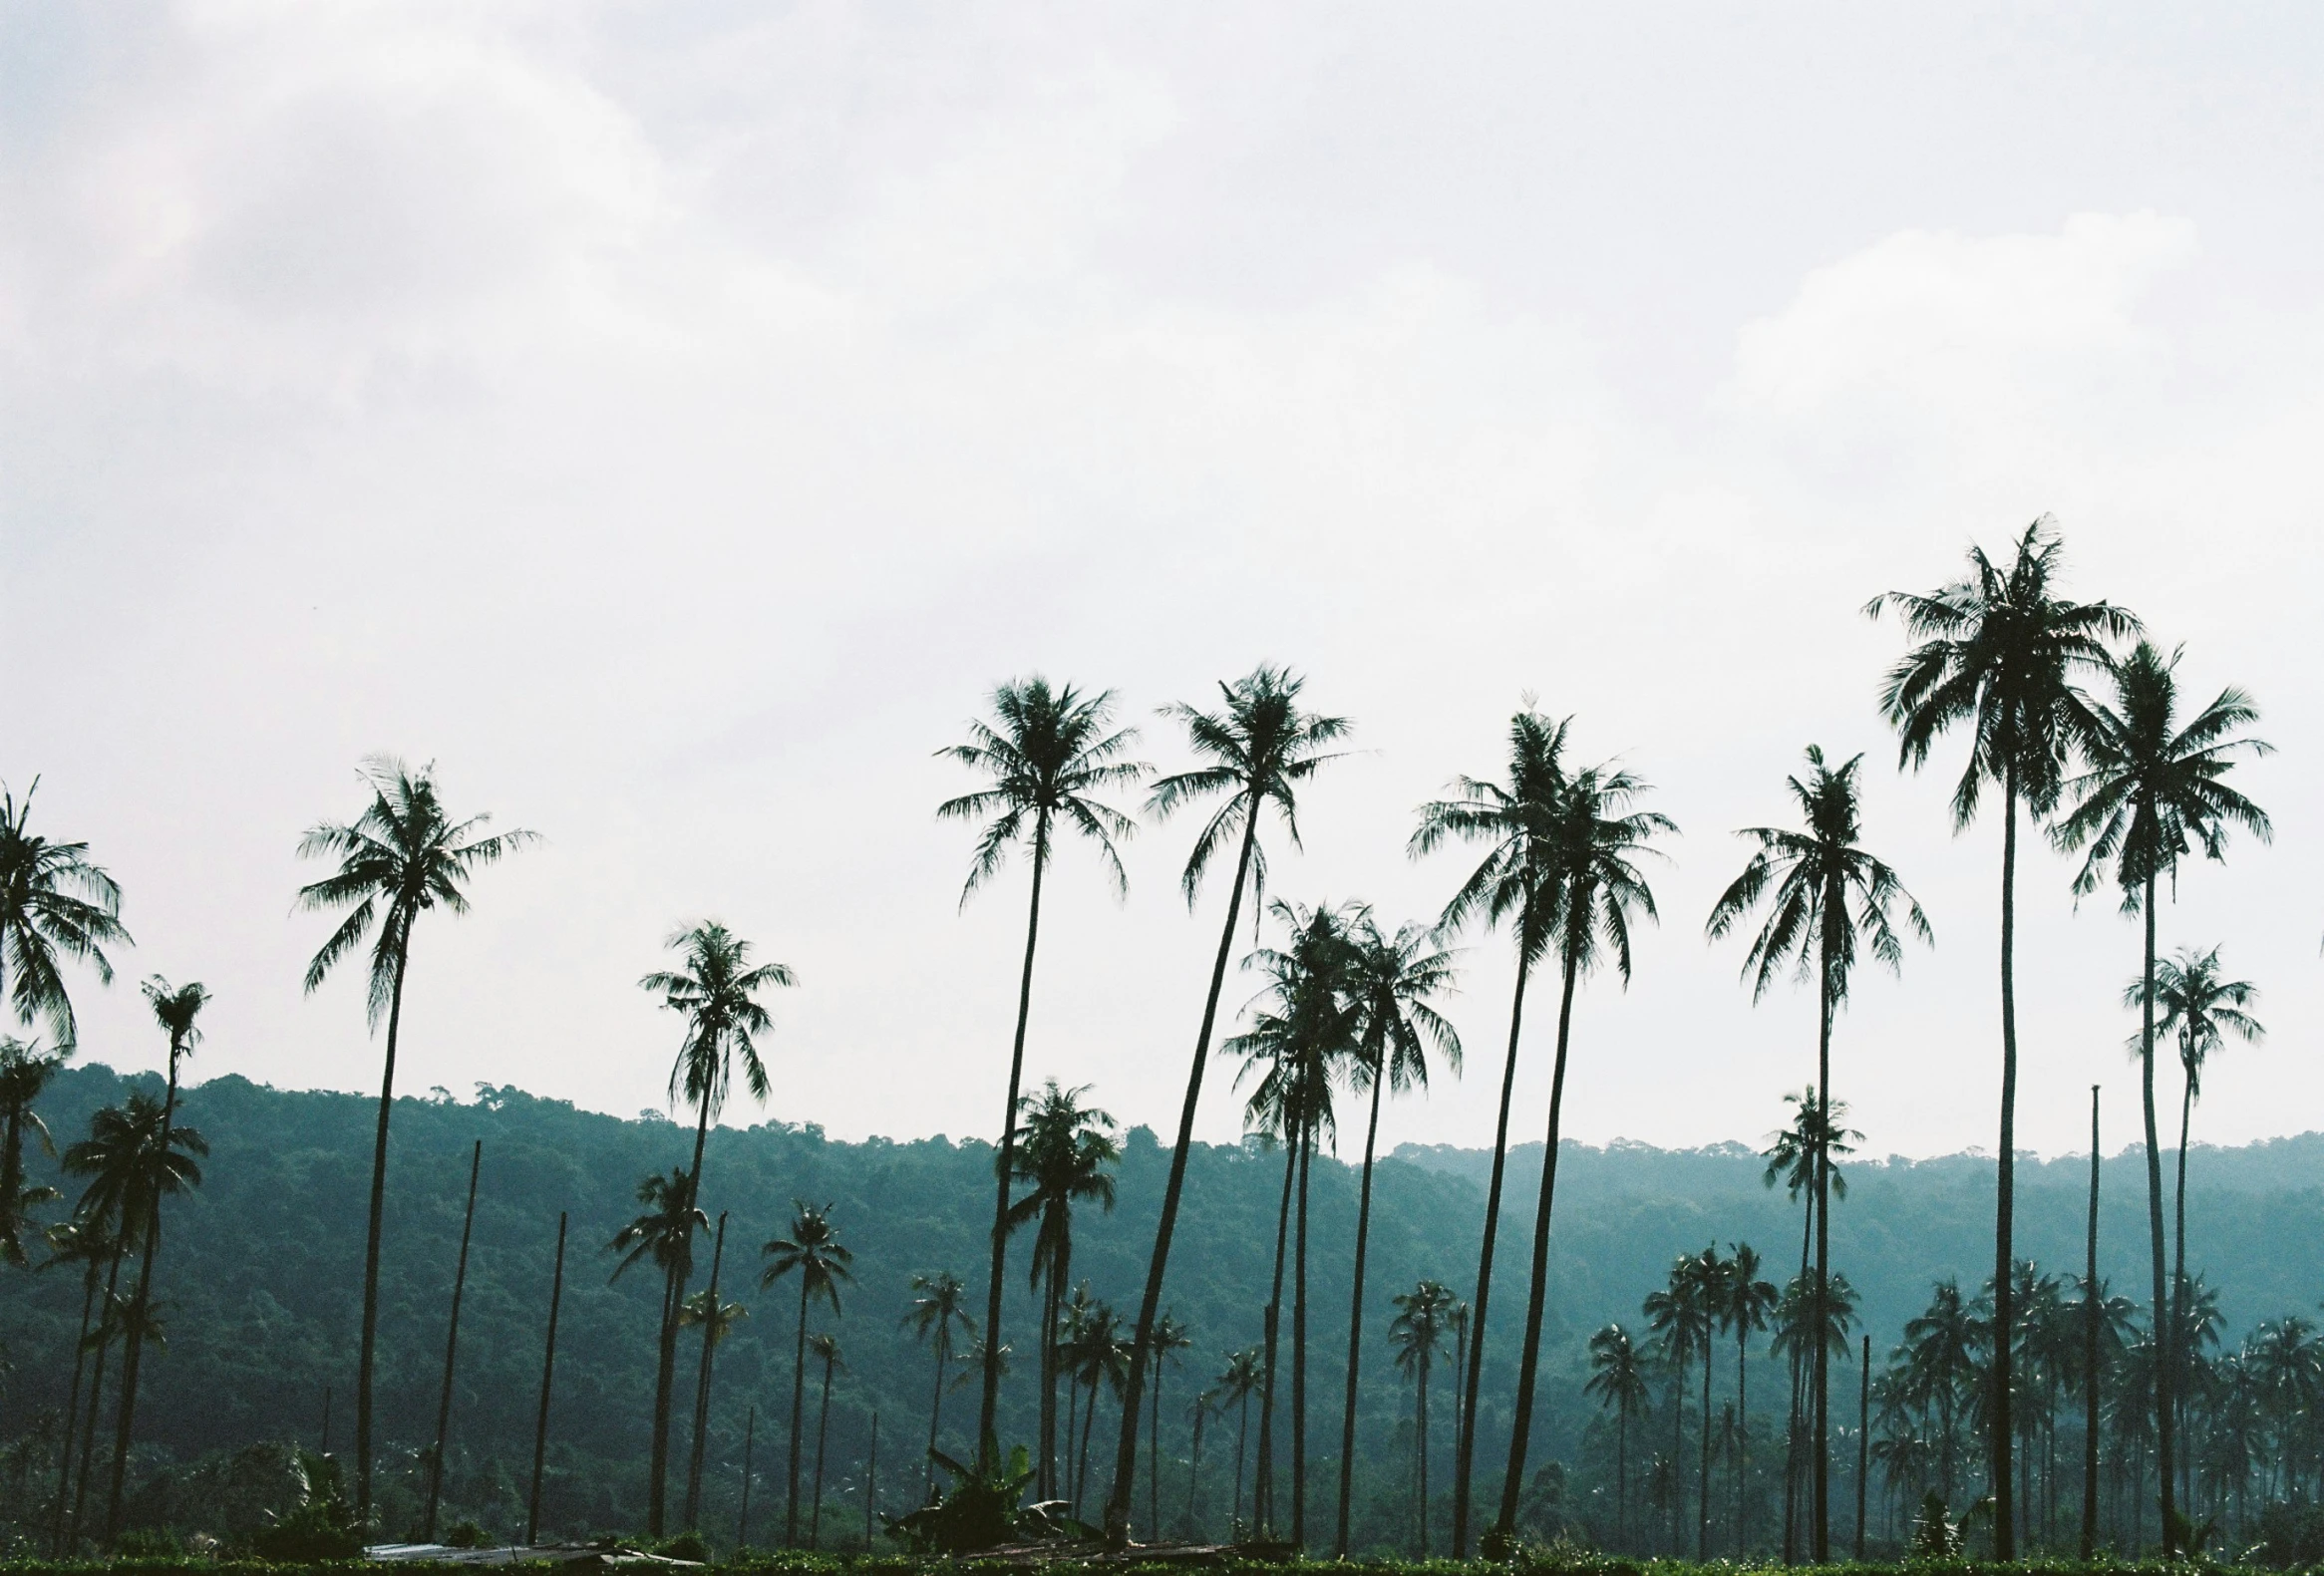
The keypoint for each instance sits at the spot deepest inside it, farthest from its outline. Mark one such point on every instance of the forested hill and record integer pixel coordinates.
(260, 1276)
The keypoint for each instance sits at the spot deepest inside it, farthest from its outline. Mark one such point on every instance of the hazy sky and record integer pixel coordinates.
(671, 418)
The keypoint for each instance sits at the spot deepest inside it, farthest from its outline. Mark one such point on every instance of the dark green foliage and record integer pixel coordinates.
(983, 1511)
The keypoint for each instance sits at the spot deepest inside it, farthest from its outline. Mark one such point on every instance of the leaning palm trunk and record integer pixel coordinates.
(987, 1443)
(72, 1412)
(1263, 1474)
(1339, 1548)
(451, 1350)
(379, 1156)
(105, 1328)
(2165, 1340)
(1536, 1295)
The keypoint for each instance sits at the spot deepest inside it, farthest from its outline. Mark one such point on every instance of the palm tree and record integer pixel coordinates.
(1067, 1156)
(1097, 1352)
(1939, 1352)
(2155, 791)
(1617, 1377)
(1745, 1303)
(1234, 1387)
(825, 1348)
(1051, 753)
(1517, 819)
(54, 905)
(813, 1250)
(715, 990)
(1825, 896)
(1417, 1336)
(664, 1234)
(1390, 983)
(1681, 1313)
(1998, 654)
(1169, 1339)
(1257, 749)
(935, 1310)
(25, 1075)
(87, 1242)
(1595, 841)
(1801, 1310)
(403, 857)
(716, 1319)
(175, 1008)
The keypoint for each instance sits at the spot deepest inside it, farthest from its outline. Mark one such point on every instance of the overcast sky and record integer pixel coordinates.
(672, 418)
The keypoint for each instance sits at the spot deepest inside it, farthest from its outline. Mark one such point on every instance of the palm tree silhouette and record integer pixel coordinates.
(1051, 751)
(54, 904)
(715, 1318)
(715, 990)
(1516, 883)
(1234, 1387)
(1595, 841)
(1257, 748)
(1097, 1353)
(1417, 1336)
(1390, 983)
(1068, 1157)
(664, 1234)
(25, 1075)
(821, 1261)
(1682, 1313)
(1999, 651)
(1744, 1304)
(1617, 1378)
(88, 1241)
(935, 1310)
(400, 857)
(1825, 896)
(825, 1346)
(2152, 794)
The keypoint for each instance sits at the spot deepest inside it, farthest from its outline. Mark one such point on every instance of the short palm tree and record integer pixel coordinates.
(1049, 753)
(1617, 1378)
(1257, 749)
(661, 1234)
(1998, 653)
(54, 905)
(815, 1254)
(1513, 884)
(1169, 1339)
(1596, 841)
(937, 1308)
(25, 1075)
(1234, 1387)
(1391, 983)
(403, 857)
(1417, 1336)
(87, 1241)
(825, 1348)
(1068, 1157)
(715, 989)
(1828, 897)
(2154, 793)
(1681, 1314)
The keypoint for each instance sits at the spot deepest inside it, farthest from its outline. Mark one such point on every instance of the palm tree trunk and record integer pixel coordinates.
(2182, 1337)
(1153, 1459)
(1863, 1444)
(1536, 1296)
(1150, 1306)
(1339, 1548)
(1743, 1435)
(452, 1346)
(72, 1414)
(2005, 1191)
(936, 1404)
(1678, 1439)
(141, 1302)
(1420, 1450)
(988, 1410)
(797, 1408)
(750, 1439)
(1465, 1404)
(1622, 1474)
(666, 1367)
(97, 1390)
(2162, 1340)
(1823, 1303)
(1241, 1437)
(1703, 1476)
(871, 1483)
(1299, 1352)
(1089, 1425)
(1053, 1309)
(1073, 1403)
(1263, 1471)
(2089, 1328)
(556, 1297)
(822, 1429)
(379, 1153)
(702, 1386)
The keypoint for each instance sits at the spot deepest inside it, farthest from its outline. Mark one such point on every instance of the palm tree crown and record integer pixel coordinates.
(715, 989)
(1068, 1157)
(664, 1232)
(1393, 1027)
(132, 1161)
(2200, 1007)
(52, 904)
(813, 1250)
(1053, 751)
(1517, 820)
(25, 1075)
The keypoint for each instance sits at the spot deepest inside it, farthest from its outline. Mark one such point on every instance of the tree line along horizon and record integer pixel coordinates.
(2069, 709)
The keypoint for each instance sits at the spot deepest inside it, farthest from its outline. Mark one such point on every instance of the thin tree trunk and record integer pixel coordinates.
(72, 1414)
(1089, 1425)
(1194, 1472)
(702, 1385)
(666, 1369)
(2005, 1191)
(1622, 1474)
(2162, 1339)
(822, 1429)
(97, 1387)
(1678, 1443)
(798, 1407)
(1073, 1403)
(1154, 1455)
(871, 1483)
(1263, 1470)
(556, 1297)
(988, 1410)
(379, 1156)
(1863, 1444)
(1465, 1404)
(1149, 1305)
(936, 1404)
(451, 1345)
(141, 1303)
(1420, 1441)
(750, 1440)
(2091, 1314)
(1300, 1351)
(1703, 1476)
(1339, 1545)
(1060, 1269)
(1536, 1296)
(2183, 1352)
(1822, 1517)
(1241, 1437)
(1742, 1437)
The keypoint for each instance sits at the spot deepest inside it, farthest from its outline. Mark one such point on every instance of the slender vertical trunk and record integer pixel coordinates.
(797, 1408)
(1243, 1434)
(1863, 1444)
(1149, 1305)
(1089, 1425)
(871, 1483)
(674, 1303)
(988, 1409)
(1465, 1402)
(750, 1442)
(1195, 1471)
(2183, 1352)
(702, 1385)
(936, 1404)
(72, 1412)
(141, 1301)
(1821, 1515)
(1300, 1351)
(2091, 1314)
(1263, 1471)
(1073, 1403)
(1678, 1442)
(379, 1156)
(2005, 1191)
(97, 1387)
(556, 1297)
(1339, 1548)
(1703, 1476)
(2162, 1340)
(1536, 1295)
(1621, 1475)
(468, 1223)
(1420, 1450)
(1154, 1457)
(823, 1429)
(1743, 1426)
(1060, 1269)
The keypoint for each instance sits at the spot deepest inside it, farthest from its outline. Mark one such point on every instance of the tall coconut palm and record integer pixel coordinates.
(2154, 793)
(1596, 841)
(1514, 884)
(937, 1307)
(1417, 1337)
(821, 1261)
(400, 857)
(1745, 1305)
(54, 905)
(1068, 1157)
(1998, 654)
(1257, 749)
(1048, 752)
(715, 990)
(1827, 897)
(25, 1075)
(825, 1346)
(1617, 1378)
(1389, 985)
(175, 1009)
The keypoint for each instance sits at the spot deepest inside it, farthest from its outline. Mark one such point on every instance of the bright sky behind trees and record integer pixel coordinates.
(671, 420)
